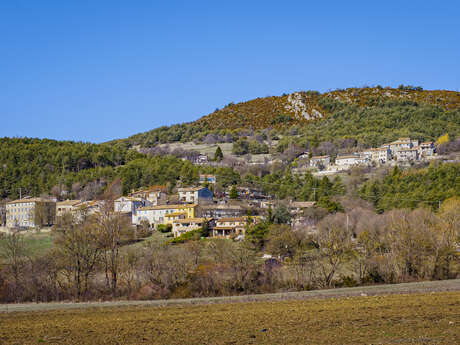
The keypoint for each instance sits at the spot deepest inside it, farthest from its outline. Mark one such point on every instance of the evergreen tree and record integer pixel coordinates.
(233, 192)
(218, 155)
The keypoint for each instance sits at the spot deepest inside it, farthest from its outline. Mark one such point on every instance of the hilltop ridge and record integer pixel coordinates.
(352, 112)
(303, 106)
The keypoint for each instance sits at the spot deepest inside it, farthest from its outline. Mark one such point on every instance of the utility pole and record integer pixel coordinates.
(20, 193)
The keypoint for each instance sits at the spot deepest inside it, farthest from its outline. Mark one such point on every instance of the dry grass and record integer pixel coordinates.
(398, 319)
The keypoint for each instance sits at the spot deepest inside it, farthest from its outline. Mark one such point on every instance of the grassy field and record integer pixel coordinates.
(432, 318)
(38, 243)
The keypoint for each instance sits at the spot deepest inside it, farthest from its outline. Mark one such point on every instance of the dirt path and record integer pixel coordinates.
(419, 287)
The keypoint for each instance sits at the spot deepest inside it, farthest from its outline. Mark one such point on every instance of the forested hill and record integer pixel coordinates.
(37, 165)
(81, 170)
(360, 113)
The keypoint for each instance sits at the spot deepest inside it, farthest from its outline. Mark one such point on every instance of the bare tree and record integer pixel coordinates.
(79, 251)
(111, 228)
(334, 241)
(13, 250)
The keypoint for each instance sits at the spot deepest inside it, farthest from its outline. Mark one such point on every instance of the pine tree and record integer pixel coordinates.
(218, 155)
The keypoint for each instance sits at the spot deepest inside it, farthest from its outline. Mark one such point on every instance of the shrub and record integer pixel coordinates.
(164, 228)
(188, 236)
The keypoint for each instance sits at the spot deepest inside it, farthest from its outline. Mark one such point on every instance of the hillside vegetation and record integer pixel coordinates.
(415, 187)
(361, 113)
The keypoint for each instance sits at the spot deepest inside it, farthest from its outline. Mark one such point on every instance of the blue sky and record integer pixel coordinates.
(100, 70)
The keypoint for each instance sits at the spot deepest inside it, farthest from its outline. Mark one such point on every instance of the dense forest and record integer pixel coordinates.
(426, 187)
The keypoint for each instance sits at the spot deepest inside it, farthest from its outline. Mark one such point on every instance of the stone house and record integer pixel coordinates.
(349, 160)
(66, 206)
(401, 143)
(426, 149)
(155, 195)
(181, 226)
(380, 155)
(317, 161)
(405, 155)
(232, 226)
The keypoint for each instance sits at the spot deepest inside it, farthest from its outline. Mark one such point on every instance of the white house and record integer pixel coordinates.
(349, 160)
(163, 214)
(195, 195)
(128, 204)
(201, 159)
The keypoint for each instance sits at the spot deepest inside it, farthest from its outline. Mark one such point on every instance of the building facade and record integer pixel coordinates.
(401, 144)
(349, 160)
(404, 155)
(30, 213)
(220, 211)
(127, 204)
(232, 226)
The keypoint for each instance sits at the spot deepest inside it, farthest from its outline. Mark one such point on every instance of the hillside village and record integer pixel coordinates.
(401, 151)
(153, 207)
(190, 208)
